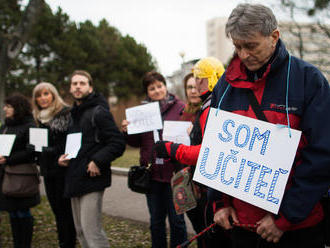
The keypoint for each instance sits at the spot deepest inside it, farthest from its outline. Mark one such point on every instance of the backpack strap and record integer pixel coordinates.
(255, 105)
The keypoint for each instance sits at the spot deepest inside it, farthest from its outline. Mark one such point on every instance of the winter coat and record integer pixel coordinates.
(19, 155)
(102, 143)
(308, 97)
(57, 131)
(160, 172)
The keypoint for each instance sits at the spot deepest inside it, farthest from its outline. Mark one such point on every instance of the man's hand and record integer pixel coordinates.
(93, 170)
(3, 160)
(268, 230)
(222, 217)
(63, 161)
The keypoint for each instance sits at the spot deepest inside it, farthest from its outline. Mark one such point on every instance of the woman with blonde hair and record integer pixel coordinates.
(52, 113)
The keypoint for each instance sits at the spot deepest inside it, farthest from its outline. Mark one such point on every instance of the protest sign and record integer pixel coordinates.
(73, 144)
(38, 137)
(144, 118)
(177, 132)
(246, 158)
(6, 143)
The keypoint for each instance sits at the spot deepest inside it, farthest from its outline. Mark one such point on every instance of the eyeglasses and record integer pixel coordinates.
(190, 87)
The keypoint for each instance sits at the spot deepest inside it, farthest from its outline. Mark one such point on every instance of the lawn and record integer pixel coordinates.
(130, 157)
(121, 233)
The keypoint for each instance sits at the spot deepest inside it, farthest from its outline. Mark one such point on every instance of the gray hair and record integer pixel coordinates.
(247, 19)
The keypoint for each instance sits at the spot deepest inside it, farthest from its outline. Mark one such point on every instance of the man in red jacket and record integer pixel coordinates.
(289, 92)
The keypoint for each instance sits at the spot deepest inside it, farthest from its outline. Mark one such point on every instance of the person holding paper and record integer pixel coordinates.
(89, 173)
(18, 120)
(206, 71)
(52, 113)
(290, 92)
(159, 200)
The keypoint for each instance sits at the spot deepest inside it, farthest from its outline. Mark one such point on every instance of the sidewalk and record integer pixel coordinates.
(120, 201)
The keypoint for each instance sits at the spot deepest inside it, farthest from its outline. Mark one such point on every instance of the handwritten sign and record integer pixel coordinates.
(39, 138)
(6, 143)
(144, 118)
(246, 158)
(73, 144)
(177, 131)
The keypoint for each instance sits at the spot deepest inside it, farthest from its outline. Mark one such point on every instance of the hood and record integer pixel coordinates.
(90, 101)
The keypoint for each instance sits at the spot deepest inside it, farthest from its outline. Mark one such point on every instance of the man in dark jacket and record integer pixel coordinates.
(289, 92)
(89, 173)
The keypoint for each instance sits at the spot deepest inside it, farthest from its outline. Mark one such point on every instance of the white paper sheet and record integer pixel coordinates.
(6, 143)
(177, 132)
(73, 144)
(144, 118)
(39, 138)
(246, 158)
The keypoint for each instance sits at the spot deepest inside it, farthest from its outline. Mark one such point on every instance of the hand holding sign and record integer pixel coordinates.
(144, 118)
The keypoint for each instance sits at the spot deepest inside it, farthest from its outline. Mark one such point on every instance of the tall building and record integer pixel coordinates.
(218, 45)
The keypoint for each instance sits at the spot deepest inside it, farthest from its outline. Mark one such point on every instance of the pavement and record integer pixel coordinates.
(120, 201)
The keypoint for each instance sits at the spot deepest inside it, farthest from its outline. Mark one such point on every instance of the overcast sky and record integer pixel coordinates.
(165, 27)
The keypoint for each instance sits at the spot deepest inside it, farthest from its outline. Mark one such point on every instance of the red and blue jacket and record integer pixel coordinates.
(308, 110)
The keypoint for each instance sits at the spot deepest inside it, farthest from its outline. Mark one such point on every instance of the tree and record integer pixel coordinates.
(16, 27)
(309, 30)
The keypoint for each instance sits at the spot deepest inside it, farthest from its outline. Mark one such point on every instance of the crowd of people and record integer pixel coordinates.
(261, 69)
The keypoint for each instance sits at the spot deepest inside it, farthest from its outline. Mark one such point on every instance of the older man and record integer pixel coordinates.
(263, 81)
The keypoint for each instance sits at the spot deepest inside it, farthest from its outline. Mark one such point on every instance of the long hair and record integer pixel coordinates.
(21, 105)
(57, 104)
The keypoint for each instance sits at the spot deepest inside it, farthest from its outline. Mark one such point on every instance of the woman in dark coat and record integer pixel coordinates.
(160, 200)
(18, 120)
(50, 112)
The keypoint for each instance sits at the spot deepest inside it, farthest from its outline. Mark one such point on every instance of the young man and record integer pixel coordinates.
(290, 92)
(89, 173)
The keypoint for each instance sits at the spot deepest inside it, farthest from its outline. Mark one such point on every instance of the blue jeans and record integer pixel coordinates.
(160, 204)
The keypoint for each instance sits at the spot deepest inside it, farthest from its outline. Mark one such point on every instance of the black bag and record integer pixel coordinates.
(139, 178)
(325, 201)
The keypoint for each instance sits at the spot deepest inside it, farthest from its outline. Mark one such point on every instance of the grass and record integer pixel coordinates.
(130, 157)
(121, 233)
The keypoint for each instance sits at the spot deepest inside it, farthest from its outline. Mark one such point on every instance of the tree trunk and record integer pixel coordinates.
(12, 44)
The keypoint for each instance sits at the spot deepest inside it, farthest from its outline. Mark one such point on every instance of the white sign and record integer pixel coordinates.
(246, 158)
(73, 144)
(39, 138)
(6, 143)
(144, 118)
(177, 132)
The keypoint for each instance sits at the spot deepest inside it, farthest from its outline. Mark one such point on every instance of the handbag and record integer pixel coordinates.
(185, 192)
(139, 178)
(21, 180)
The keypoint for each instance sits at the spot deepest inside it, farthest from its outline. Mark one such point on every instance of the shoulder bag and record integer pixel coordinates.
(21, 180)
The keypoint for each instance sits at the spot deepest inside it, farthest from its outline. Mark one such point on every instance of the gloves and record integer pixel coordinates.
(166, 149)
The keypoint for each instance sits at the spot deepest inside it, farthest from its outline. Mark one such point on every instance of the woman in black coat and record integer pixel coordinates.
(50, 112)
(18, 121)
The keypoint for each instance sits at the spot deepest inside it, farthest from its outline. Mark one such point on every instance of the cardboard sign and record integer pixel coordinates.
(144, 118)
(73, 144)
(38, 137)
(246, 158)
(177, 132)
(6, 143)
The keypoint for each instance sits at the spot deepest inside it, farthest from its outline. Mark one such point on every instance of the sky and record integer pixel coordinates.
(167, 28)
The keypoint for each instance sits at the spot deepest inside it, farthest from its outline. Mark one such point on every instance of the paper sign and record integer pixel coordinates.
(144, 118)
(246, 158)
(73, 144)
(39, 138)
(177, 132)
(6, 143)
